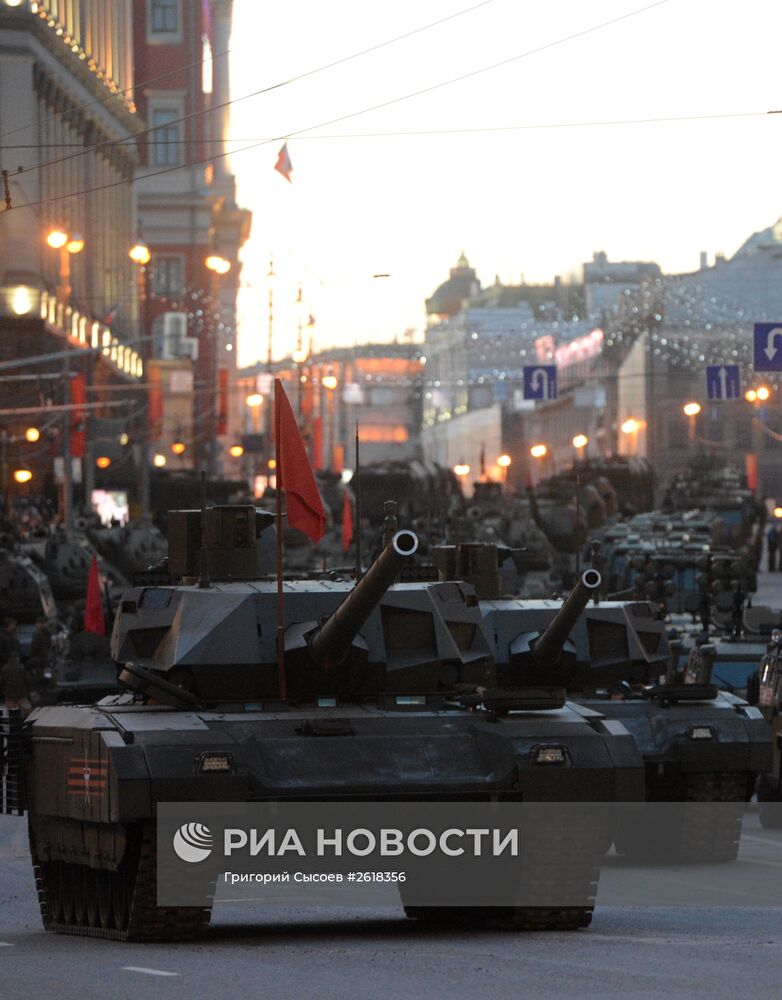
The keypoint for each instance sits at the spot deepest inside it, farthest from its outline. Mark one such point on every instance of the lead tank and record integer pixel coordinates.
(400, 679)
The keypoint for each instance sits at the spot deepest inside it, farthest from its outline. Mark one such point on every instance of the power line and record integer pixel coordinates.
(257, 93)
(354, 114)
(662, 119)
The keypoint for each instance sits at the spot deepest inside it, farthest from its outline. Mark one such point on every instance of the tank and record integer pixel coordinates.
(390, 693)
(699, 744)
(769, 786)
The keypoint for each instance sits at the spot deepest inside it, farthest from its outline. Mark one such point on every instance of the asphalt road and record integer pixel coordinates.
(714, 952)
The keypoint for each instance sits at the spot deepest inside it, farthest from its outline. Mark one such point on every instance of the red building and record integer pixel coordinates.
(189, 218)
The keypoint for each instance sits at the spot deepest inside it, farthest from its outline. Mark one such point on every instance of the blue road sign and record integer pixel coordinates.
(540, 381)
(723, 381)
(768, 347)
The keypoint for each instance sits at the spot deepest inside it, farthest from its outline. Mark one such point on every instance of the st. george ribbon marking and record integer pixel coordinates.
(540, 382)
(723, 381)
(768, 347)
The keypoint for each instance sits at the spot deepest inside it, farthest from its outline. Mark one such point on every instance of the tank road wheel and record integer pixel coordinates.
(80, 892)
(91, 878)
(54, 893)
(68, 898)
(105, 912)
(120, 899)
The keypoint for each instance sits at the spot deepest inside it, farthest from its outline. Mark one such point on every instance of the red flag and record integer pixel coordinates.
(283, 165)
(93, 611)
(294, 473)
(347, 522)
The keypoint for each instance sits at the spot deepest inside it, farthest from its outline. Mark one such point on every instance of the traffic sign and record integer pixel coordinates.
(723, 381)
(540, 381)
(768, 347)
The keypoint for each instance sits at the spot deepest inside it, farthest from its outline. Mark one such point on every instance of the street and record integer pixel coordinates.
(628, 952)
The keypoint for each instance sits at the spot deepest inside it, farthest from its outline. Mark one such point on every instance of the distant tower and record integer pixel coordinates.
(448, 298)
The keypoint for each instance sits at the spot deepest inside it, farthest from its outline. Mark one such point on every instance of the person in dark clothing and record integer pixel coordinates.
(15, 685)
(9, 643)
(772, 541)
(40, 649)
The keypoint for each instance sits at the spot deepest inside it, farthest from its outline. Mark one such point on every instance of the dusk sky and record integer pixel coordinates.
(536, 201)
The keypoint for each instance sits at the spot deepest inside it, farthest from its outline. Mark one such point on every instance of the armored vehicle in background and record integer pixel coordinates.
(133, 547)
(698, 744)
(770, 704)
(389, 693)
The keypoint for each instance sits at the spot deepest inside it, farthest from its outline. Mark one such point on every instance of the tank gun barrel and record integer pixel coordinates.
(547, 649)
(331, 644)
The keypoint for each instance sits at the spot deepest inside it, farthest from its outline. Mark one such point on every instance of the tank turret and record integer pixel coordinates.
(547, 650)
(331, 644)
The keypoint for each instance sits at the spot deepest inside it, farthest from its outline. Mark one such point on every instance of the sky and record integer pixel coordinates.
(532, 201)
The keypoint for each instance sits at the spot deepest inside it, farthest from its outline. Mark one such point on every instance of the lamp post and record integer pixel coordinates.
(630, 427)
(141, 255)
(330, 384)
(504, 462)
(691, 411)
(756, 397)
(218, 266)
(68, 245)
(580, 442)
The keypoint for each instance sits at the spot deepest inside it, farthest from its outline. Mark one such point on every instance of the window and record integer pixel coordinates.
(165, 137)
(167, 275)
(164, 17)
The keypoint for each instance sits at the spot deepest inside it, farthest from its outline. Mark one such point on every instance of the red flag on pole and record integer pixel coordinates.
(283, 165)
(93, 611)
(347, 522)
(294, 473)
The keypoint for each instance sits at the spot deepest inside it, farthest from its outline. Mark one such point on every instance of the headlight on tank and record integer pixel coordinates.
(700, 733)
(549, 755)
(209, 762)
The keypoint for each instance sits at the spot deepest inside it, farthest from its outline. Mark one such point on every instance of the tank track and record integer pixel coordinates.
(115, 905)
(519, 918)
(700, 836)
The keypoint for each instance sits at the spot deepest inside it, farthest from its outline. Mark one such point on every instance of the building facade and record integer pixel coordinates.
(189, 218)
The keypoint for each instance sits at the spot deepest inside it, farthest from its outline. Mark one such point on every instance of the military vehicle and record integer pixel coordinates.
(769, 786)
(65, 558)
(698, 744)
(133, 547)
(390, 693)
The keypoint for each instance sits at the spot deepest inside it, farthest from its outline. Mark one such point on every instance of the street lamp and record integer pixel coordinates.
(580, 441)
(254, 400)
(56, 238)
(159, 461)
(140, 254)
(69, 244)
(32, 434)
(218, 264)
(630, 426)
(691, 410)
(538, 451)
(236, 451)
(763, 393)
(778, 512)
(179, 447)
(330, 384)
(103, 461)
(22, 475)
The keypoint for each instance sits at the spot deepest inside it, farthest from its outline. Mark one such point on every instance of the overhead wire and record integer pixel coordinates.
(384, 104)
(264, 90)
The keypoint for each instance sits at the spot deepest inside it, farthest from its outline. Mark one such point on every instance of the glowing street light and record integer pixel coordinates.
(271, 465)
(140, 254)
(763, 392)
(750, 395)
(630, 426)
(218, 264)
(254, 399)
(124, 439)
(692, 409)
(778, 512)
(461, 469)
(179, 447)
(159, 461)
(75, 243)
(329, 381)
(103, 461)
(56, 238)
(32, 434)
(580, 441)
(22, 475)
(236, 451)
(504, 461)
(538, 451)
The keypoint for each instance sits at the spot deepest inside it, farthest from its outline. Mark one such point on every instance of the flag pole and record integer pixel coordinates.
(278, 525)
(357, 515)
